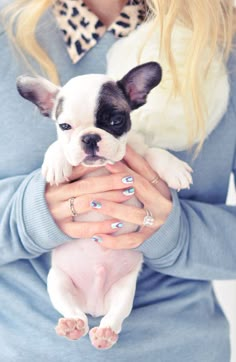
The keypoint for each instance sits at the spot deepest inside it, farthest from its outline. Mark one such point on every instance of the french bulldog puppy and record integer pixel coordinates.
(92, 117)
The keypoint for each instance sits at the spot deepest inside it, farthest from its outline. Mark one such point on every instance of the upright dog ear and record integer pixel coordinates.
(39, 91)
(139, 81)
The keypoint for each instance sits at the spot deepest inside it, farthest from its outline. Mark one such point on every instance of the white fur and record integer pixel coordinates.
(161, 120)
(163, 125)
(80, 97)
(67, 300)
(158, 123)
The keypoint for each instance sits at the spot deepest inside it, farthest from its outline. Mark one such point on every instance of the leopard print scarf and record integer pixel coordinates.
(82, 29)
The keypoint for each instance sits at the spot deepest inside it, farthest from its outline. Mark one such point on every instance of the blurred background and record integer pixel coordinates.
(226, 290)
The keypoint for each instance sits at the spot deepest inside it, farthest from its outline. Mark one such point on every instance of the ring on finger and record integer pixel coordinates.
(72, 207)
(148, 220)
(155, 180)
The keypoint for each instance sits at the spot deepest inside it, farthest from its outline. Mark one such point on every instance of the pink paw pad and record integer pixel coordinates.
(103, 338)
(72, 328)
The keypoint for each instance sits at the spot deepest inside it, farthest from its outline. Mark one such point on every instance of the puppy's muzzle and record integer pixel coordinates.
(90, 143)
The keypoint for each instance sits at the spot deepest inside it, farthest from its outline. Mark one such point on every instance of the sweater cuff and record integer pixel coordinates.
(161, 244)
(39, 225)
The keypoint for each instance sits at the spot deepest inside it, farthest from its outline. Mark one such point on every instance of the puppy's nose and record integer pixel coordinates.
(89, 142)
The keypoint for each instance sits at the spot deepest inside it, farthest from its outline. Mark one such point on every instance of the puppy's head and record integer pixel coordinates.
(92, 112)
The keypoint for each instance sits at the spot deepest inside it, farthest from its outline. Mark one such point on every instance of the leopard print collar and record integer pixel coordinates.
(82, 29)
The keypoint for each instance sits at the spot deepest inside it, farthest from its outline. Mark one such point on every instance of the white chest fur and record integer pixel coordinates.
(162, 119)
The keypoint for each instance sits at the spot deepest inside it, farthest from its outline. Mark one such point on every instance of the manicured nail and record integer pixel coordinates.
(95, 204)
(129, 191)
(96, 238)
(116, 225)
(127, 180)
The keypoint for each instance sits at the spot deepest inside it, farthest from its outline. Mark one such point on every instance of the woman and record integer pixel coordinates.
(176, 316)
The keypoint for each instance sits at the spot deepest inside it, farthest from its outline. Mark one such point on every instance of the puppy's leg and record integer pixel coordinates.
(67, 300)
(119, 303)
(56, 169)
(176, 173)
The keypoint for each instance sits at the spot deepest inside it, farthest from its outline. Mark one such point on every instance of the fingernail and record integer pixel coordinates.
(117, 225)
(127, 180)
(95, 204)
(129, 191)
(97, 239)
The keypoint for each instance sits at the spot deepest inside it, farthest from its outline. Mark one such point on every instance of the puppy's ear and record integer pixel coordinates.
(39, 91)
(139, 81)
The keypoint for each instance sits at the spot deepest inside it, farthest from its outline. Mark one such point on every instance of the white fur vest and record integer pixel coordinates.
(162, 119)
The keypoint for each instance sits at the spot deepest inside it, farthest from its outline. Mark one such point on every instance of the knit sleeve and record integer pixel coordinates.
(198, 240)
(26, 226)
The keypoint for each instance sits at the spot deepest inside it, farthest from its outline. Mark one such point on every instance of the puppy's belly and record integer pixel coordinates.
(94, 269)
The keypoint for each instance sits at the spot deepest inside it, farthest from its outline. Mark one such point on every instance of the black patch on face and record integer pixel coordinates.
(113, 110)
(59, 107)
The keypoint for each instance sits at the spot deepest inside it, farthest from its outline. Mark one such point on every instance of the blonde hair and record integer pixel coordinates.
(212, 23)
(20, 19)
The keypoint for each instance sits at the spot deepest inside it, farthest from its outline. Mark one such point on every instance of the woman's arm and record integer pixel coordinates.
(36, 217)
(198, 241)
(26, 226)
(193, 240)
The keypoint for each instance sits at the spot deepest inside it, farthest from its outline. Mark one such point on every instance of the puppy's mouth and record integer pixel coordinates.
(92, 161)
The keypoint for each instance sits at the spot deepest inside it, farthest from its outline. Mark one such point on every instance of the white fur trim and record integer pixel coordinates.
(162, 119)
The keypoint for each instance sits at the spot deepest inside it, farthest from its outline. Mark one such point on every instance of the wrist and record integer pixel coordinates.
(165, 211)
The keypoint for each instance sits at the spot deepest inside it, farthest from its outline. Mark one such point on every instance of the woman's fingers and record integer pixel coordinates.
(123, 212)
(92, 185)
(139, 164)
(131, 214)
(144, 190)
(124, 241)
(82, 204)
(142, 167)
(105, 194)
(79, 171)
(147, 176)
(88, 229)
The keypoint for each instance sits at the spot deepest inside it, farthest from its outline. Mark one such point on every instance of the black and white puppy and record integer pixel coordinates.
(92, 116)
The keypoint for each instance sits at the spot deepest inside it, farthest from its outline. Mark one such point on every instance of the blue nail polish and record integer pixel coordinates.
(95, 204)
(127, 180)
(97, 239)
(117, 225)
(129, 191)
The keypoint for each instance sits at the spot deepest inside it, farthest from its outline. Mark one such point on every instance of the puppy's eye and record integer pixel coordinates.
(117, 120)
(65, 126)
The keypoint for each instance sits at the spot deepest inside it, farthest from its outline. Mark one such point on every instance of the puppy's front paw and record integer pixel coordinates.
(56, 169)
(56, 172)
(178, 175)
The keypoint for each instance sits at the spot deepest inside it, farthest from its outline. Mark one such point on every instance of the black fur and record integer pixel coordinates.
(113, 111)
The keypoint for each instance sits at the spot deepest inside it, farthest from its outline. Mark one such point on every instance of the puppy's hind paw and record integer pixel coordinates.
(103, 338)
(71, 328)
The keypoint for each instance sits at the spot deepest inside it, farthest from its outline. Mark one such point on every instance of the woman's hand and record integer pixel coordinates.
(83, 192)
(155, 198)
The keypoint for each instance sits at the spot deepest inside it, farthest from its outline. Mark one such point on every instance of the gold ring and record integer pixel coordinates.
(155, 180)
(72, 207)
